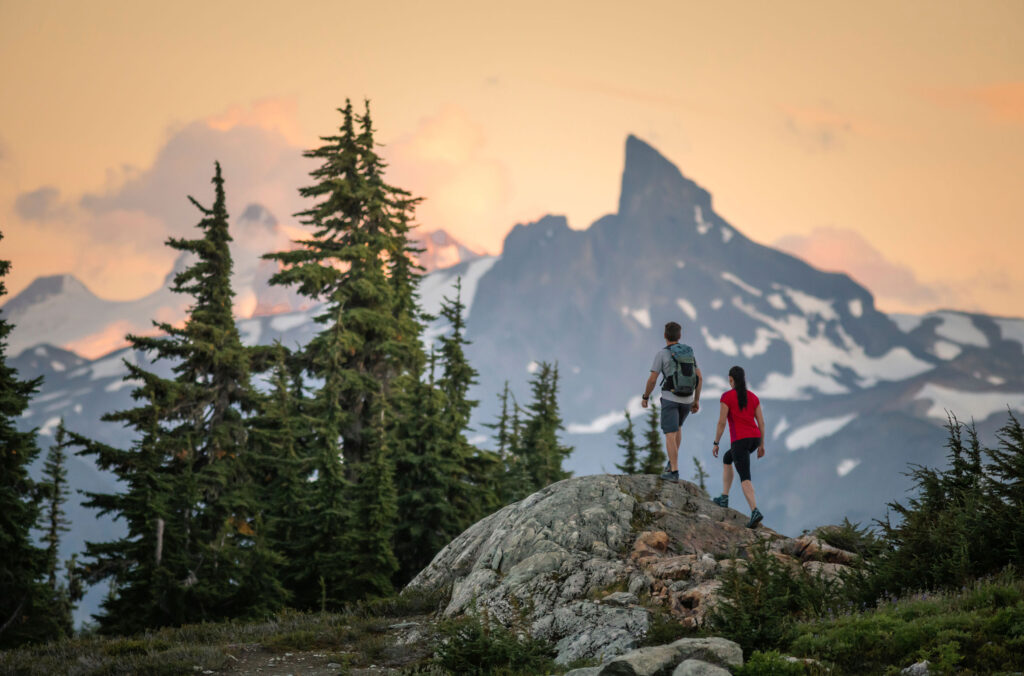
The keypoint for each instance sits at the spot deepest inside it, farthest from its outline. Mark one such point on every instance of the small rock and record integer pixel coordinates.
(699, 668)
(829, 571)
(404, 625)
(333, 665)
(917, 669)
(639, 583)
(621, 599)
(585, 671)
(660, 659)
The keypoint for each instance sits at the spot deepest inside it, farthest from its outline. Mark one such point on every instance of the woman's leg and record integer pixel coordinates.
(748, 493)
(726, 478)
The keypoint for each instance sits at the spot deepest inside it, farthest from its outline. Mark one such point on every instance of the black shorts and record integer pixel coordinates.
(739, 455)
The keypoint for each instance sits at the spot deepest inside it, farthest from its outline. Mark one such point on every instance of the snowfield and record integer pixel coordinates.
(806, 435)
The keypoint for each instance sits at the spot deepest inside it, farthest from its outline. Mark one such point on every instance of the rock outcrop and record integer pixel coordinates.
(584, 562)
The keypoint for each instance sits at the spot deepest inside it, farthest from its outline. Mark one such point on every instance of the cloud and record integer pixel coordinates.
(817, 127)
(41, 204)
(467, 193)
(844, 250)
(1001, 102)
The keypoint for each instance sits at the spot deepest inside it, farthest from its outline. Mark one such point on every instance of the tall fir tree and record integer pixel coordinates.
(359, 262)
(55, 522)
(192, 552)
(469, 488)
(26, 612)
(518, 482)
(654, 460)
(280, 464)
(627, 442)
(543, 451)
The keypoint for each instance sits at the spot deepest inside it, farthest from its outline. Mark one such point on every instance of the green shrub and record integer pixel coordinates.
(663, 628)
(979, 629)
(471, 645)
(759, 603)
(853, 538)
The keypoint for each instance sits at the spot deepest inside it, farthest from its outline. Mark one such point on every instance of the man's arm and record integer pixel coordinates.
(651, 382)
(696, 393)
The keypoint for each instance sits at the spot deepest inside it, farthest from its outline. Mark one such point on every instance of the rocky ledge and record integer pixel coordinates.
(583, 562)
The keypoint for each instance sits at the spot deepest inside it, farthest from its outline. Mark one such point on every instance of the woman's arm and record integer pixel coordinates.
(723, 411)
(759, 416)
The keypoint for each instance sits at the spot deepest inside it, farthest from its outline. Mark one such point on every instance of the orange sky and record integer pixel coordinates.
(898, 127)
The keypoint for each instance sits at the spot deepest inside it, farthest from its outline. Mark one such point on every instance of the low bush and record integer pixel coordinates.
(471, 645)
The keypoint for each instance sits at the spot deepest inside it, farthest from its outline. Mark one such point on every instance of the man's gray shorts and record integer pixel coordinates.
(673, 414)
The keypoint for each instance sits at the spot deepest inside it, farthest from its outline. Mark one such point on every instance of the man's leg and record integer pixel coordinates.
(726, 479)
(748, 493)
(672, 448)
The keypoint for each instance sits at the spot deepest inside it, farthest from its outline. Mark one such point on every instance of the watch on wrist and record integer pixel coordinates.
(646, 397)
(716, 443)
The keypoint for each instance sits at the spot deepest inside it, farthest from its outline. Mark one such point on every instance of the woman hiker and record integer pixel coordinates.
(742, 409)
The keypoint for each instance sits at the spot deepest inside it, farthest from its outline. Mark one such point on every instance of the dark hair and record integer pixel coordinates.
(673, 331)
(739, 380)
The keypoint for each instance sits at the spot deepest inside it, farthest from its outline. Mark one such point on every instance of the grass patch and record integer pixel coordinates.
(978, 629)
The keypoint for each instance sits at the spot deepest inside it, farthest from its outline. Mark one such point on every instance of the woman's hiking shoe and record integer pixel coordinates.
(755, 518)
(669, 475)
(721, 500)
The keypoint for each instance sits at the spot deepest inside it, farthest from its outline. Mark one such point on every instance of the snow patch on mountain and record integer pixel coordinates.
(943, 349)
(780, 427)
(641, 315)
(959, 328)
(762, 339)
(605, 422)
(727, 234)
(846, 466)
(724, 343)
(1012, 329)
(856, 307)
(967, 405)
(776, 301)
(816, 358)
(804, 436)
(811, 305)
(906, 323)
(717, 303)
(698, 215)
(729, 277)
(288, 321)
(435, 286)
(687, 308)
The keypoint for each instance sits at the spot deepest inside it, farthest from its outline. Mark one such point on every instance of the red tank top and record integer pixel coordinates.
(742, 424)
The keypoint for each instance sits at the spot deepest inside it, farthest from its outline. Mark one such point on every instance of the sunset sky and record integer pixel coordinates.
(882, 139)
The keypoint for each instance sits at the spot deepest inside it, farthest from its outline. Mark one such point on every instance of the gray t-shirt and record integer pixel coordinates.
(662, 362)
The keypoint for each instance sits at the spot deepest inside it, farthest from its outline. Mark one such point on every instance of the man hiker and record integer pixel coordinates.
(680, 391)
(742, 410)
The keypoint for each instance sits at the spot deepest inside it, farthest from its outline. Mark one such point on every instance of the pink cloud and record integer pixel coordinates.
(840, 250)
(1002, 101)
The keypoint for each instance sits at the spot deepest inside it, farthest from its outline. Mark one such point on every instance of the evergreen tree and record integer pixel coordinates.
(359, 262)
(654, 461)
(627, 442)
(542, 450)
(518, 482)
(468, 488)
(26, 612)
(371, 559)
(55, 489)
(280, 465)
(192, 552)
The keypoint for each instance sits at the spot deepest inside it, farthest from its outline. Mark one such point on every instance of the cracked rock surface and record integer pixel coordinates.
(583, 561)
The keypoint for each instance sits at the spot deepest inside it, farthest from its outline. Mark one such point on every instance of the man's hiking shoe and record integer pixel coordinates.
(669, 475)
(755, 518)
(721, 500)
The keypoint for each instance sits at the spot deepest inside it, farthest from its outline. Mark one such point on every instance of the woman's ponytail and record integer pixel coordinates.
(739, 380)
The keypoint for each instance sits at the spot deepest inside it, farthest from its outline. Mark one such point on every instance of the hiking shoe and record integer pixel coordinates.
(669, 475)
(755, 518)
(721, 500)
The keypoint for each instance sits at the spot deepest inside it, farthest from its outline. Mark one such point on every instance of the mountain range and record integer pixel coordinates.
(852, 396)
